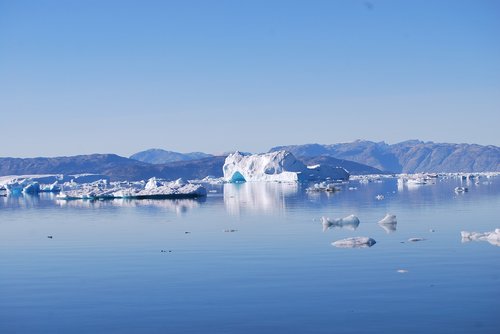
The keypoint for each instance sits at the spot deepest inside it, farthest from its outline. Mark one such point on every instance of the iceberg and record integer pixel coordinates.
(491, 237)
(153, 189)
(279, 166)
(350, 222)
(356, 242)
(22, 186)
(34, 184)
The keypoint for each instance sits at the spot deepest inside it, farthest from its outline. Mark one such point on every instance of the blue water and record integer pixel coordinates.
(130, 267)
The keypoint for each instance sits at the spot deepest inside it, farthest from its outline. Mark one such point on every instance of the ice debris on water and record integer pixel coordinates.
(350, 222)
(460, 190)
(492, 237)
(153, 189)
(229, 230)
(388, 223)
(356, 242)
(322, 186)
(379, 197)
(402, 271)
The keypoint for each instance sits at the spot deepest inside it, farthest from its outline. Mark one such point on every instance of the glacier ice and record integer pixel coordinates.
(279, 166)
(356, 242)
(492, 237)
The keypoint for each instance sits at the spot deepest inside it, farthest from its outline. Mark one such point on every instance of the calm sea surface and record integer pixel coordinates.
(252, 258)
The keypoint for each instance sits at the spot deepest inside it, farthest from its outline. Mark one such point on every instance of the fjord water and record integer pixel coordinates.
(252, 258)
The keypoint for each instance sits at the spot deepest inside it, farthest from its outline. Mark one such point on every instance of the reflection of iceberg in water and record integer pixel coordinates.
(350, 223)
(257, 196)
(179, 206)
(491, 237)
(388, 223)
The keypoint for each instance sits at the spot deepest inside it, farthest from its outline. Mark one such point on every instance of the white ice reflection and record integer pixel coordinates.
(491, 237)
(179, 206)
(267, 197)
(350, 223)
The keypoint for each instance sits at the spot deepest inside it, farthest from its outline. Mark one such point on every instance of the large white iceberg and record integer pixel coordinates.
(280, 166)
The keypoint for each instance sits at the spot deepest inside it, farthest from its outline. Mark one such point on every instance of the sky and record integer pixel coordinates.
(104, 76)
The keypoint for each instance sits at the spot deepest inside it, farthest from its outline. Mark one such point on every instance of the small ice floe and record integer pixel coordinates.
(353, 188)
(356, 242)
(417, 181)
(379, 197)
(491, 237)
(402, 271)
(416, 239)
(350, 222)
(229, 230)
(460, 190)
(388, 223)
(322, 186)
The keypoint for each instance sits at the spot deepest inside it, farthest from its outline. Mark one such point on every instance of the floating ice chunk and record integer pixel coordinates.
(388, 219)
(460, 190)
(491, 237)
(388, 223)
(402, 271)
(416, 239)
(379, 197)
(350, 222)
(322, 186)
(356, 242)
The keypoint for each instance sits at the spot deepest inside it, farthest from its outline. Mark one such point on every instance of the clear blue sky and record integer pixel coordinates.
(100, 76)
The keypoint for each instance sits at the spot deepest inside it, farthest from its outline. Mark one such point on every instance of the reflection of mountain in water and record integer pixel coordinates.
(258, 196)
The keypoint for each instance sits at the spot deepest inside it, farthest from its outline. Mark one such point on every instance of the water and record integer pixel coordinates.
(130, 267)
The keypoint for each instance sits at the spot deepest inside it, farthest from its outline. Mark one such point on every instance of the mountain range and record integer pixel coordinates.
(412, 156)
(359, 157)
(159, 156)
